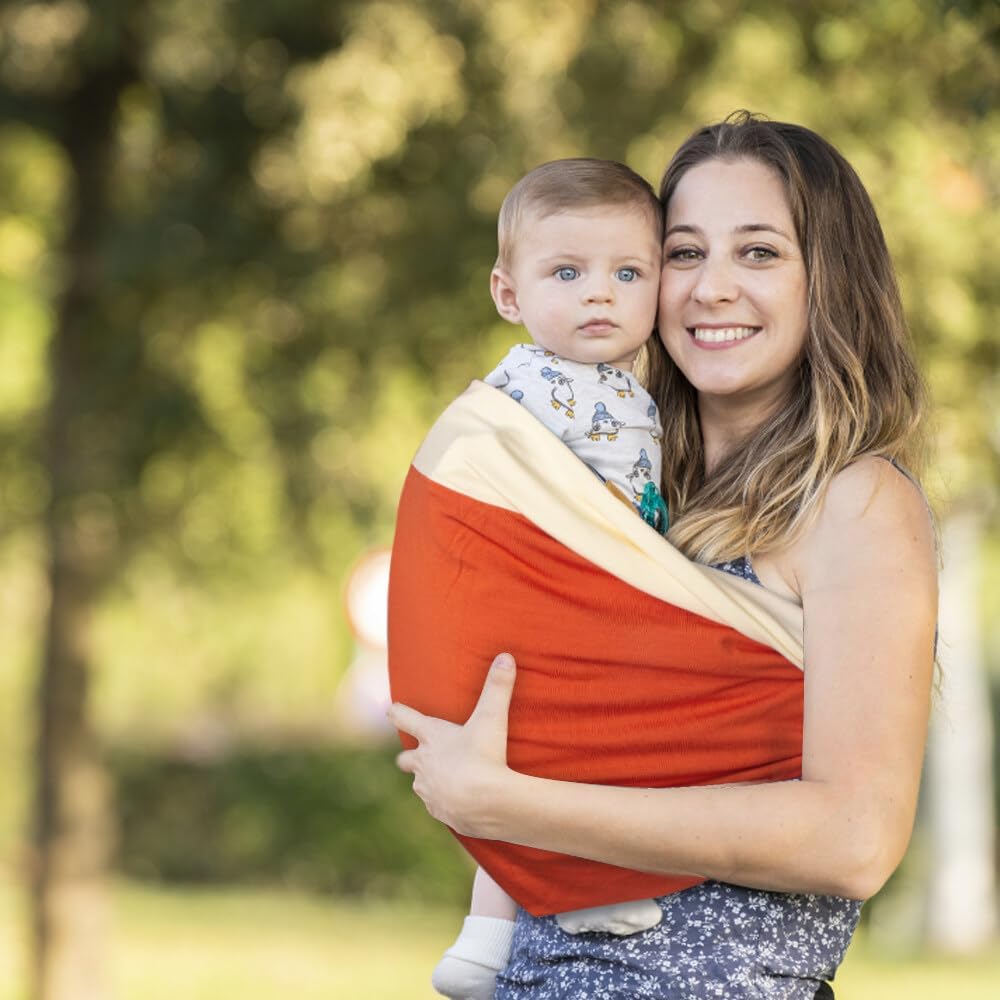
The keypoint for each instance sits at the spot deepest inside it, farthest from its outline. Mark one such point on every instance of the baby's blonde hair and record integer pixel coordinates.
(562, 185)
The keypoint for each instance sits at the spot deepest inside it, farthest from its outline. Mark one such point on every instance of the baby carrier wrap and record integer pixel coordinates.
(636, 666)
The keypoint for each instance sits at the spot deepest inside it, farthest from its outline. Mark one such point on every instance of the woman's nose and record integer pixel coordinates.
(715, 282)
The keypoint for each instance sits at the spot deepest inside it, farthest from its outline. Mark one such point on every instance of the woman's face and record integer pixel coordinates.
(733, 295)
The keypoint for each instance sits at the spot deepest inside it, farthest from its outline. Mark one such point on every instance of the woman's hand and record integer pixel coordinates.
(456, 769)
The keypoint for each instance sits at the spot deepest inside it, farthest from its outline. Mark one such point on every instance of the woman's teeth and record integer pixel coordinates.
(716, 335)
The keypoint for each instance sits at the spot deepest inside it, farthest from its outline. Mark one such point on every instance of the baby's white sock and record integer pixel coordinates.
(469, 968)
(618, 918)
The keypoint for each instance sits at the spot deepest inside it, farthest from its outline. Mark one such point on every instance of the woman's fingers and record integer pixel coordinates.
(452, 762)
(407, 720)
(494, 702)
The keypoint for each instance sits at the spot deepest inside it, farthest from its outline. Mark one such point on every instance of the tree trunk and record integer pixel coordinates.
(73, 817)
(73, 809)
(961, 911)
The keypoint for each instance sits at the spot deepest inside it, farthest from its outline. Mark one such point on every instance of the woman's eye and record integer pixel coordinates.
(627, 274)
(761, 253)
(684, 254)
(567, 273)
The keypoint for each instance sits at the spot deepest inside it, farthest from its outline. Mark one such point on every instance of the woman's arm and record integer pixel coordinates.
(866, 572)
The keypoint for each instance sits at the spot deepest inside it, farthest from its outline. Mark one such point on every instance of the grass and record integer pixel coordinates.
(868, 975)
(228, 944)
(269, 945)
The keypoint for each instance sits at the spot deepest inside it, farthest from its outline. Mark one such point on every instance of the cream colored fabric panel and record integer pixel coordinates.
(486, 447)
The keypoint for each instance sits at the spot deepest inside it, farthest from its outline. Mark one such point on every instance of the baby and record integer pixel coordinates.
(579, 267)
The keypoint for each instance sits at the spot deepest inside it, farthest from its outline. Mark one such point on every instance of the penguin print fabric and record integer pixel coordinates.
(602, 414)
(636, 666)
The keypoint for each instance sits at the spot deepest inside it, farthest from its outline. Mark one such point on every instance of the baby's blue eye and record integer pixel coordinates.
(567, 273)
(627, 274)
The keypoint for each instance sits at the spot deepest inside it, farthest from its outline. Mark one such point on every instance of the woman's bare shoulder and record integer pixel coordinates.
(873, 489)
(872, 515)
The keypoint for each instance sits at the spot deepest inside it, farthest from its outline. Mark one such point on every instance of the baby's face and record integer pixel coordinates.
(584, 283)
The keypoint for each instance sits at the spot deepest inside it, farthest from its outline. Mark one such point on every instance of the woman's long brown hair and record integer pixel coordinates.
(858, 390)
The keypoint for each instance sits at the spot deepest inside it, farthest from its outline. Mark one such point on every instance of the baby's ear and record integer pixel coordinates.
(504, 295)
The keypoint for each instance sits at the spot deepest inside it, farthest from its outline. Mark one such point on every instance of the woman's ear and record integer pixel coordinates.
(504, 295)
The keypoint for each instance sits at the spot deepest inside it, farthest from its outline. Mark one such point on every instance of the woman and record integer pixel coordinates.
(792, 408)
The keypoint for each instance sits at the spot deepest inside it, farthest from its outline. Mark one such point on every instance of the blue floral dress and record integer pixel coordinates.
(715, 940)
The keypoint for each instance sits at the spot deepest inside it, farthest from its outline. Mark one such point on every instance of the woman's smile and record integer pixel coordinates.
(715, 336)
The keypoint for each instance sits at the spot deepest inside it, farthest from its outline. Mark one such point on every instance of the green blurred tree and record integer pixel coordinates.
(147, 121)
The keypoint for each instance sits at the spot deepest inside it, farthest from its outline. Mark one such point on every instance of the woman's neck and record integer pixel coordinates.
(727, 423)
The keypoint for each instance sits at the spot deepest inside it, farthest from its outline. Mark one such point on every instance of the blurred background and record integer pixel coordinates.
(244, 259)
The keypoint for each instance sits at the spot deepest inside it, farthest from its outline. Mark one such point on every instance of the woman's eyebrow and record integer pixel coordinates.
(761, 227)
(750, 227)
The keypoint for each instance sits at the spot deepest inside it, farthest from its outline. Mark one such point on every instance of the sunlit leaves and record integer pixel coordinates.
(25, 323)
(534, 44)
(359, 103)
(190, 45)
(37, 44)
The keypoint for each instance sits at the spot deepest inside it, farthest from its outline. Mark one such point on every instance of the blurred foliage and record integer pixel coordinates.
(294, 269)
(338, 821)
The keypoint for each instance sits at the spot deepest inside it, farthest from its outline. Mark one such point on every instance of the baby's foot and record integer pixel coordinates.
(618, 918)
(469, 968)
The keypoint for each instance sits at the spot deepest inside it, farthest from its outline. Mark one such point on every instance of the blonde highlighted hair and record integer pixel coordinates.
(563, 185)
(858, 390)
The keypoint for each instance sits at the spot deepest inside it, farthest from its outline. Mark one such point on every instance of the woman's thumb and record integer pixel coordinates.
(494, 702)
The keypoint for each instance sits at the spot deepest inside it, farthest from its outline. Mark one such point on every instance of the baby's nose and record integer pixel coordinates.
(599, 289)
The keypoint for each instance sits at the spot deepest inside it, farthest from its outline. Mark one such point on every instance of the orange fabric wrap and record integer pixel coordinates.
(614, 686)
